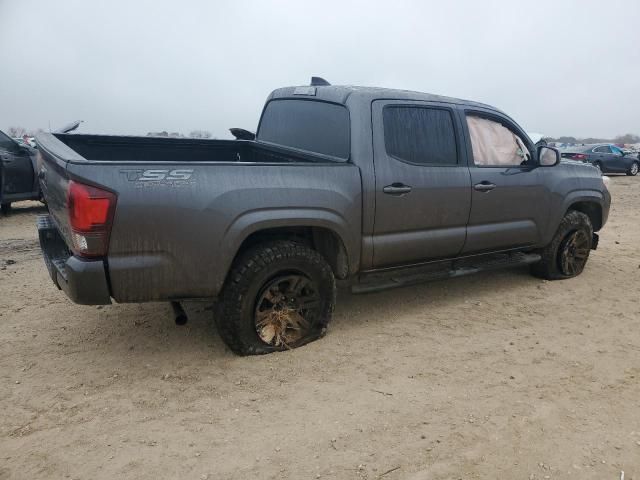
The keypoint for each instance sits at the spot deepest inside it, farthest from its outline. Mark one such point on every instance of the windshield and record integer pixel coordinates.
(309, 125)
(616, 150)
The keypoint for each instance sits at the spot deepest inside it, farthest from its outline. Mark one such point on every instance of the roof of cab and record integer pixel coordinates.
(341, 93)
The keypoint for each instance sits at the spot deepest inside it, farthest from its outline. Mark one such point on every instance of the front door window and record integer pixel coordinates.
(494, 145)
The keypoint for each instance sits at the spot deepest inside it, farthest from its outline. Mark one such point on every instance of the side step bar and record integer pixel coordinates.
(375, 281)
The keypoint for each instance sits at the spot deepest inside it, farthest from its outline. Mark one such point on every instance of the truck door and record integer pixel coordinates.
(423, 189)
(509, 196)
(17, 170)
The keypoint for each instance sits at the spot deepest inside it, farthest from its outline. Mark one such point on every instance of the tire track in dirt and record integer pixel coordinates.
(18, 248)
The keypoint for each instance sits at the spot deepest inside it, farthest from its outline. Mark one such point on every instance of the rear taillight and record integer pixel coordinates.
(579, 156)
(90, 216)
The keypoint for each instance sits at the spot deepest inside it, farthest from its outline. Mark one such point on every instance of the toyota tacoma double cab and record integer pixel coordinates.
(367, 188)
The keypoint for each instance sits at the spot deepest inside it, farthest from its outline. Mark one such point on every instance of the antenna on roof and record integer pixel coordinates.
(319, 82)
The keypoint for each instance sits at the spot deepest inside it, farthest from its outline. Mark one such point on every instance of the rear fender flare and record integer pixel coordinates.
(257, 220)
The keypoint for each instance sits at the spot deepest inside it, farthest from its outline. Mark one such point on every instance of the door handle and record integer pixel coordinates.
(484, 186)
(396, 189)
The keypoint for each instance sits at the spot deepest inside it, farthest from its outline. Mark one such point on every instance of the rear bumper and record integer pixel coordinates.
(84, 281)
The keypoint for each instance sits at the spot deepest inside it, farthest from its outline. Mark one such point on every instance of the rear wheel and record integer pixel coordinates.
(5, 208)
(568, 252)
(633, 169)
(279, 296)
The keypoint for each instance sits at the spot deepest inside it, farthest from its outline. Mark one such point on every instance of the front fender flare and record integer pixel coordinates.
(572, 198)
(262, 219)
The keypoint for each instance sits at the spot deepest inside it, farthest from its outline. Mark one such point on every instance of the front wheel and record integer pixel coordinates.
(278, 296)
(568, 252)
(633, 169)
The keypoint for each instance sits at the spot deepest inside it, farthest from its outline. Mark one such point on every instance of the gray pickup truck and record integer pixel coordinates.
(365, 187)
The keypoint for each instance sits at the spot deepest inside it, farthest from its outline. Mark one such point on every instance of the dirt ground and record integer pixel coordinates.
(498, 375)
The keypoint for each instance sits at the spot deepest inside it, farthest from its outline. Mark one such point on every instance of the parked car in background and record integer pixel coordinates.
(537, 138)
(18, 180)
(26, 141)
(606, 157)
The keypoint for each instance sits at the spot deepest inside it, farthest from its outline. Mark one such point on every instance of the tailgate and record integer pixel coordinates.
(81, 276)
(53, 157)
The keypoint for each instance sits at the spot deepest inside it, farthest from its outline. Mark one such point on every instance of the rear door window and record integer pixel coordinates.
(420, 135)
(313, 126)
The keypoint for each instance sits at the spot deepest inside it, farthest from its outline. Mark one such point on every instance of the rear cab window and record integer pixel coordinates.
(309, 125)
(420, 135)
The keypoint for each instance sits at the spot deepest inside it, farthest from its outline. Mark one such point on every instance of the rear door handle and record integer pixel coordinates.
(396, 189)
(484, 186)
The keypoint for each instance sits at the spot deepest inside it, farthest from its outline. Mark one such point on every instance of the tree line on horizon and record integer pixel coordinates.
(628, 138)
(19, 132)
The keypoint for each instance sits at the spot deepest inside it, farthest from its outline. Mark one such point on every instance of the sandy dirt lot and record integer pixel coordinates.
(498, 375)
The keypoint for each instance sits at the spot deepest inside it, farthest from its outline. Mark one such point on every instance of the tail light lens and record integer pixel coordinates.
(90, 216)
(580, 156)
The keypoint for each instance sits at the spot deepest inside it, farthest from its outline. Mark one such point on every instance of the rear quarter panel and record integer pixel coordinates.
(177, 239)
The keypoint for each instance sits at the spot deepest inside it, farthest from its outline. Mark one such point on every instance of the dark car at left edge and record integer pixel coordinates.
(18, 180)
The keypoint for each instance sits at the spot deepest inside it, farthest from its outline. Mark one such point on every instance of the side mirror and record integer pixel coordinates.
(548, 156)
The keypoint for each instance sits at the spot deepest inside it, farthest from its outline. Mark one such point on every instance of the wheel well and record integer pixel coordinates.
(323, 240)
(591, 210)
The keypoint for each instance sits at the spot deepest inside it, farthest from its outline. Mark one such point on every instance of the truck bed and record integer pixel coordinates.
(183, 208)
(111, 148)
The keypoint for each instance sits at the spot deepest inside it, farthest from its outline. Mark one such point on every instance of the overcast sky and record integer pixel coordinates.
(133, 66)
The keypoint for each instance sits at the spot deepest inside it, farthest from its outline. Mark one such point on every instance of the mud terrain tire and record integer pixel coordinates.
(568, 252)
(276, 266)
